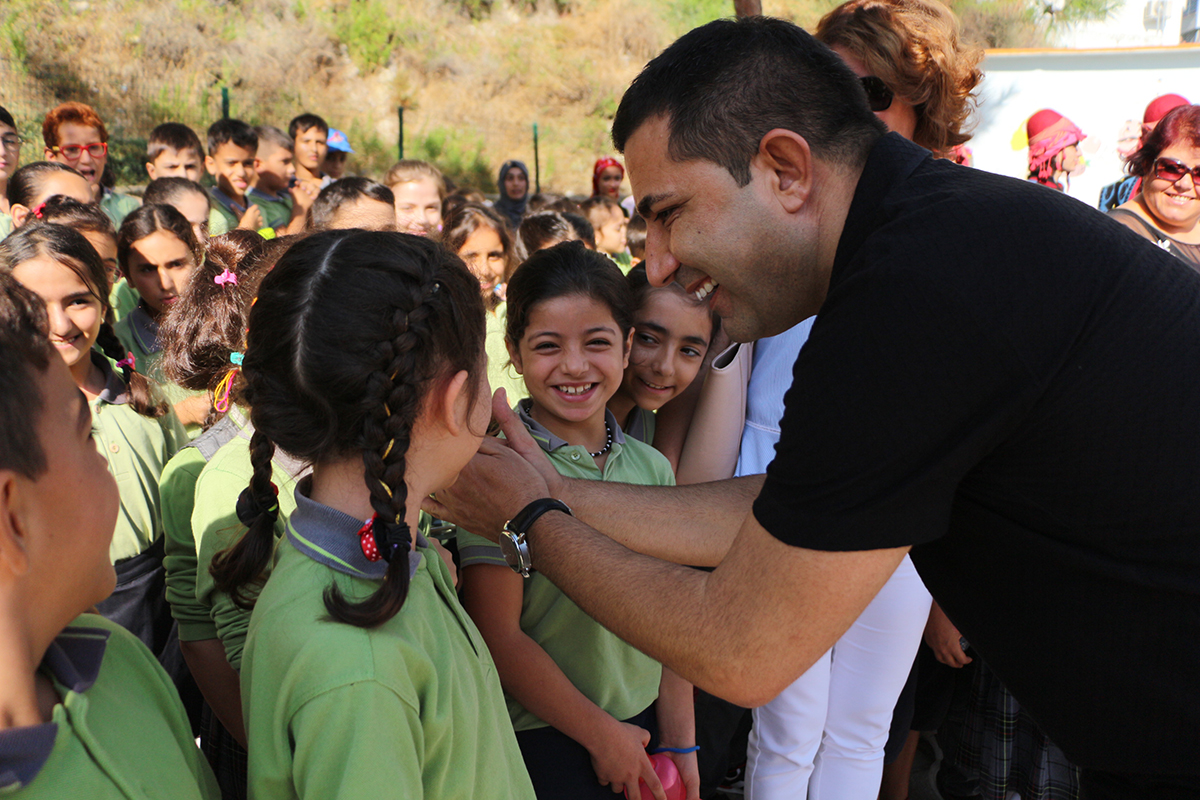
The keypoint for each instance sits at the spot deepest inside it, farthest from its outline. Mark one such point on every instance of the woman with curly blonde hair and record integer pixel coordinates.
(919, 75)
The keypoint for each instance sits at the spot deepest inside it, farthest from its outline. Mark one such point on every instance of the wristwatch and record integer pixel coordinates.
(512, 538)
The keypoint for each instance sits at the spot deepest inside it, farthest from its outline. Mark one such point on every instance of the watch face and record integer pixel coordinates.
(508, 548)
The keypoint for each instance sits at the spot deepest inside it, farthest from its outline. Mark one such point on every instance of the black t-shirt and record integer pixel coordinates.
(1010, 382)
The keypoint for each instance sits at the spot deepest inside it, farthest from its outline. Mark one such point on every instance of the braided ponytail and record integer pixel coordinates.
(244, 564)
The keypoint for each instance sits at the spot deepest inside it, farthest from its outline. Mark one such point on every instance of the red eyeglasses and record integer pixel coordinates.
(73, 152)
(1168, 169)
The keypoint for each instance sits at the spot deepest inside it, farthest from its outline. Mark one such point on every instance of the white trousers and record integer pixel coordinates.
(823, 736)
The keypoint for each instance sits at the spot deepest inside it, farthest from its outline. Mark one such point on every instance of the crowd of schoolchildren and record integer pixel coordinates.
(216, 579)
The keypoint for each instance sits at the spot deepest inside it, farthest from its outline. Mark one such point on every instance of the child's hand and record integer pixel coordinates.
(689, 772)
(251, 220)
(303, 195)
(619, 759)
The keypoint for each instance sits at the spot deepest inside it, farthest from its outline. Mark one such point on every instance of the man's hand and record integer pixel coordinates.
(503, 477)
(944, 639)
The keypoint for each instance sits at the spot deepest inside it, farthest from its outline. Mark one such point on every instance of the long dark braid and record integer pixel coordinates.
(349, 332)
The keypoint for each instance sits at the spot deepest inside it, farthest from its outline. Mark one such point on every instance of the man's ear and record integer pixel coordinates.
(14, 556)
(789, 160)
(514, 355)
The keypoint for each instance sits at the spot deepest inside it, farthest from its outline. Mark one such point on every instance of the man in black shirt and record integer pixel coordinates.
(999, 378)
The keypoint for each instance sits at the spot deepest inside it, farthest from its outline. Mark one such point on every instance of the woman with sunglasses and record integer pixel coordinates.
(75, 135)
(1167, 209)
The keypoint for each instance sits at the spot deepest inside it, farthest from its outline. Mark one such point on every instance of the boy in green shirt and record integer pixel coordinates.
(283, 202)
(85, 709)
(174, 151)
(232, 147)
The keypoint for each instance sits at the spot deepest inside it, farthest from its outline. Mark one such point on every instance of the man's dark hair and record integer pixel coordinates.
(347, 190)
(306, 121)
(231, 130)
(173, 135)
(25, 353)
(724, 85)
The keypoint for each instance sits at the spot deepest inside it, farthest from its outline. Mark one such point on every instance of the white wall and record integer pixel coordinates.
(1097, 90)
(1135, 23)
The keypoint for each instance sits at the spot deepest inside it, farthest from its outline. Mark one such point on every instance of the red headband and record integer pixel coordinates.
(601, 165)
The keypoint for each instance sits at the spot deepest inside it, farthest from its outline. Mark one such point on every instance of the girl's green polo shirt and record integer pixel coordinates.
(500, 372)
(411, 708)
(177, 488)
(614, 675)
(216, 527)
(138, 332)
(119, 731)
(137, 449)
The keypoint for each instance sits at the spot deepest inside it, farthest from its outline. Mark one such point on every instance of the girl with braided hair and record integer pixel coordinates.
(362, 675)
(136, 432)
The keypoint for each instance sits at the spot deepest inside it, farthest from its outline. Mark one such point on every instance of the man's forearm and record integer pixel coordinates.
(685, 524)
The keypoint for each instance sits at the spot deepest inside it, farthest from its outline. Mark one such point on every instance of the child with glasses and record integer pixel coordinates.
(75, 135)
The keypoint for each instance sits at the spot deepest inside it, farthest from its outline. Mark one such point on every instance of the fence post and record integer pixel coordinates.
(537, 164)
(400, 113)
(224, 102)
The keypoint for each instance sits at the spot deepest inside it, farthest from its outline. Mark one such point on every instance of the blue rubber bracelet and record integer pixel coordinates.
(677, 750)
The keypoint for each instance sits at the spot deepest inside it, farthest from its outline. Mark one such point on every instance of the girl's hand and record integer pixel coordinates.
(944, 639)
(688, 765)
(619, 759)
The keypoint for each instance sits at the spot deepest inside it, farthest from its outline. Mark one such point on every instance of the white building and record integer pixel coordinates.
(1136, 23)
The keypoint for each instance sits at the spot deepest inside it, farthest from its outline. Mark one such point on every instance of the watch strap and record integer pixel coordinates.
(528, 515)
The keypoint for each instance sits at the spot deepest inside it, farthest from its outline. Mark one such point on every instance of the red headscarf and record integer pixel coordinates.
(1049, 134)
(601, 165)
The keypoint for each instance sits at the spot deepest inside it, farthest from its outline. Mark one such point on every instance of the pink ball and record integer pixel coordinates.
(668, 773)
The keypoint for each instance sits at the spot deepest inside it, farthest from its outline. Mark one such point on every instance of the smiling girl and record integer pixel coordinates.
(157, 251)
(671, 334)
(584, 704)
(136, 435)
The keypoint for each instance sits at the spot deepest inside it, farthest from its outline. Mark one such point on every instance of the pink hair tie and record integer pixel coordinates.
(127, 361)
(38, 210)
(225, 277)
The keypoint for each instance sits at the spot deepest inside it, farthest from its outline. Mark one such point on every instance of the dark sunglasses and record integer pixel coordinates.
(879, 96)
(1171, 170)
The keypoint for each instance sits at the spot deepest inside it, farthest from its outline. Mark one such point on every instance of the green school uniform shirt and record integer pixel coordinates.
(123, 298)
(218, 223)
(117, 206)
(137, 448)
(411, 708)
(138, 332)
(221, 203)
(119, 732)
(216, 527)
(623, 260)
(177, 489)
(614, 675)
(500, 372)
(6, 224)
(276, 211)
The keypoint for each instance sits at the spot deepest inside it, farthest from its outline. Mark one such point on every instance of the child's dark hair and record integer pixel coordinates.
(350, 331)
(566, 269)
(583, 229)
(25, 353)
(231, 130)
(306, 122)
(167, 191)
(208, 323)
(272, 135)
(69, 248)
(347, 190)
(147, 219)
(468, 218)
(635, 236)
(68, 211)
(536, 230)
(548, 201)
(594, 204)
(7, 118)
(639, 286)
(26, 182)
(172, 136)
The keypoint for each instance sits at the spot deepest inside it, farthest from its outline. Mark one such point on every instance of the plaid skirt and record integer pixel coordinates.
(226, 757)
(1005, 750)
